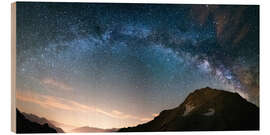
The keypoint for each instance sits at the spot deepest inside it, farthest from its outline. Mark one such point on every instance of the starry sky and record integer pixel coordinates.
(119, 65)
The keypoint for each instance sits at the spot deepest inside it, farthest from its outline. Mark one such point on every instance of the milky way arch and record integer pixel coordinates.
(150, 49)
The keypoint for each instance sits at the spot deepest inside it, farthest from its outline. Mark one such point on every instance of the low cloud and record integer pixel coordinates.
(53, 84)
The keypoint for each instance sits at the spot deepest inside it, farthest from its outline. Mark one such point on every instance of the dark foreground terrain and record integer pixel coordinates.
(205, 109)
(24, 125)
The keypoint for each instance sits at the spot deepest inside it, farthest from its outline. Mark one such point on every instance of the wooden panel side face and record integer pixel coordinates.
(13, 66)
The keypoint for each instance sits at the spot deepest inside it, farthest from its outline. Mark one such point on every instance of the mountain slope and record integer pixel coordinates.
(91, 129)
(24, 125)
(205, 109)
(41, 121)
(64, 126)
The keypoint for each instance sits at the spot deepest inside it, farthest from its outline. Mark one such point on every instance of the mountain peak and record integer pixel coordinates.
(206, 109)
(208, 95)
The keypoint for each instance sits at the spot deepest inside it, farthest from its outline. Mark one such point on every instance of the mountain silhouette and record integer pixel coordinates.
(91, 129)
(41, 121)
(64, 126)
(205, 109)
(24, 125)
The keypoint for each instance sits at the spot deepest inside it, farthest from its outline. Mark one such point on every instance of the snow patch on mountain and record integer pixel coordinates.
(188, 109)
(210, 112)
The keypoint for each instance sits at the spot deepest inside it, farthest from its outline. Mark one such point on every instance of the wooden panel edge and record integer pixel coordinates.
(13, 67)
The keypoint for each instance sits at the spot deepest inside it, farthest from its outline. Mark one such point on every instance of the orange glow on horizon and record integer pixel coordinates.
(83, 112)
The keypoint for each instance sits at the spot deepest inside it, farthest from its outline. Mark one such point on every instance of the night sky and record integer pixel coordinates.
(118, 65)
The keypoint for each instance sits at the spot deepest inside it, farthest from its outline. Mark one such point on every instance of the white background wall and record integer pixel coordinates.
(5, 63)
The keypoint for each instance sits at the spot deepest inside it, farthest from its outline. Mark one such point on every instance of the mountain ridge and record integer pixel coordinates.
(205, 109)
(24, 125)
(42, 121)
(86, 129)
